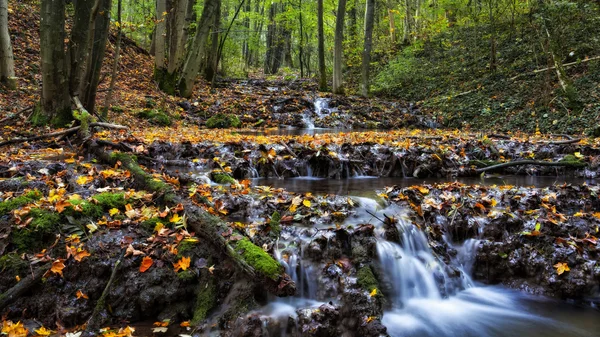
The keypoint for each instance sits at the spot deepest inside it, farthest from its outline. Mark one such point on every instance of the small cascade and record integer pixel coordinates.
(322, 107)
(307, 121)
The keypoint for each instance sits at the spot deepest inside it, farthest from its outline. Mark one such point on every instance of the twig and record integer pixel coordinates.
(12, 116)
(288, 149)
(63, 132)
(562, 142)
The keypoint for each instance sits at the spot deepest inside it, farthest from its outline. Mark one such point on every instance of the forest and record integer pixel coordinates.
(399, 168)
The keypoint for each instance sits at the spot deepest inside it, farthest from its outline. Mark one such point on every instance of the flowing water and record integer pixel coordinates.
(425, 301)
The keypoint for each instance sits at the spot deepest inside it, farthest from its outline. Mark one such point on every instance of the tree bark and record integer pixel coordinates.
(321, 42)
(197, 50)
(91, 80)
(301, 42)
(159, 37)
(55, 102)
(366, 59)
(79, 43)
(177, 42)
(211, 63)
(7, 63)
(338, 87)
(115, 66)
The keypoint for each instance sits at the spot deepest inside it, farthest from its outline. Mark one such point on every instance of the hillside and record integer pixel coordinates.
(449, 74)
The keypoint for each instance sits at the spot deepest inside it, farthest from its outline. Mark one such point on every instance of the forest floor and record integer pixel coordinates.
(165, 225)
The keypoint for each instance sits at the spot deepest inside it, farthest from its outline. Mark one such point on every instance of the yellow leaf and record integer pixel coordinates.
(561, 267)
(183, 264)
(113, 211)
(578, 155)
(175, 218)
(373, 292)
(43, 332)
(423, 190)
(82, 180)
(306, 203)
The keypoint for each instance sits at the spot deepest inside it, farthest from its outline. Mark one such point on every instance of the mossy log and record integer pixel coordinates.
(23, 286)
(248, 257)
(563, 163)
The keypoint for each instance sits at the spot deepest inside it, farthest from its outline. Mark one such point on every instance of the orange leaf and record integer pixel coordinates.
(61, 205)
(146, 264)
(480, 206)
(183, 264)
(80, 294)
(81, 254)
(58, 266)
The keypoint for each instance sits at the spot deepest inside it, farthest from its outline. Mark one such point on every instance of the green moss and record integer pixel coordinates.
(166, 82)
(12, 263)
(150, 224)
(222, 121)
(260, 123)
(205, 301)
(142, 178)
(20, 201)
(275, 223)
(259, 259)
(222, 178)
(571, 160)
(154, 116)
(186, 275)
(483, 163)
(108, 200)
(40, 230)
(366, 279)
(185, 247)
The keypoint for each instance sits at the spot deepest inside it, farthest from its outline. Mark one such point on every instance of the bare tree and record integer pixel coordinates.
(321, 38)
(7, 64)
(338, 86)
(366, 59)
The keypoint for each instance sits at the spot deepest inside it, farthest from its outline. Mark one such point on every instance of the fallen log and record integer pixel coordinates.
(23, 286)
(251, 259)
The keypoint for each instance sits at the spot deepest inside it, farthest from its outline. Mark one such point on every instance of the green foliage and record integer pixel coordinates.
(20, 201)
(275, 223)
(150, 224)
(222, 121)
(259, 259)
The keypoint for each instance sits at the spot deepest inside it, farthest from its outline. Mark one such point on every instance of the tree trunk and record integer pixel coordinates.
(492, 36)
(301, 42)
(321, 38)
(177, 42)
(211, 63)
(79, 44)
(392, 22)
(56, 103)
(338, 87)
(197, 50)
(113, 76)
(366, 59)
(271, 40)
(7, 63)
(91, 80)
(407, 22)
(159, 35)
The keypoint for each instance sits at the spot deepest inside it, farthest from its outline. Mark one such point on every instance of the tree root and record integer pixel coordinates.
(23, 286)
(98, 317)
(529, 162)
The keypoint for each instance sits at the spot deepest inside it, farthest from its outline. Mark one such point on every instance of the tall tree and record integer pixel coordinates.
(113, 76)
(338, 86)
(7, 64)
(193, 62)
(56, 103)
(211, 62)
(159, 38)
(366, 59)
(321, 51)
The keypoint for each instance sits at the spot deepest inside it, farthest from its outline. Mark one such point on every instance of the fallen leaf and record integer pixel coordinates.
(146, 264)
(561, 267)
(183, 264)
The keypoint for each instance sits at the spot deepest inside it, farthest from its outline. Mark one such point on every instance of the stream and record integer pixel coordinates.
(424, 300)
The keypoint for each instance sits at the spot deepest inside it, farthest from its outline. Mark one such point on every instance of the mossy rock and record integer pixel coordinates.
(483, 163)
(275, 223)
(185, 247)
(20, 201)
(222, 178)
(154, 116)
(572, 161)
(205, 301)
(166, 82)
(366, 279)
(39, 231)
(151, 223)
(221, 121)
(260, 260)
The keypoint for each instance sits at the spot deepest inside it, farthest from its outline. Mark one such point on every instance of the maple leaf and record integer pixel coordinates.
(561, 267)
(175, 218)
(146, 264)
(14, 329)
(58, 266)
(81, 254)
(373, 292)
(184, 324)
(183, 264)
(306, 203)
(61, 205)
(113, 211)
